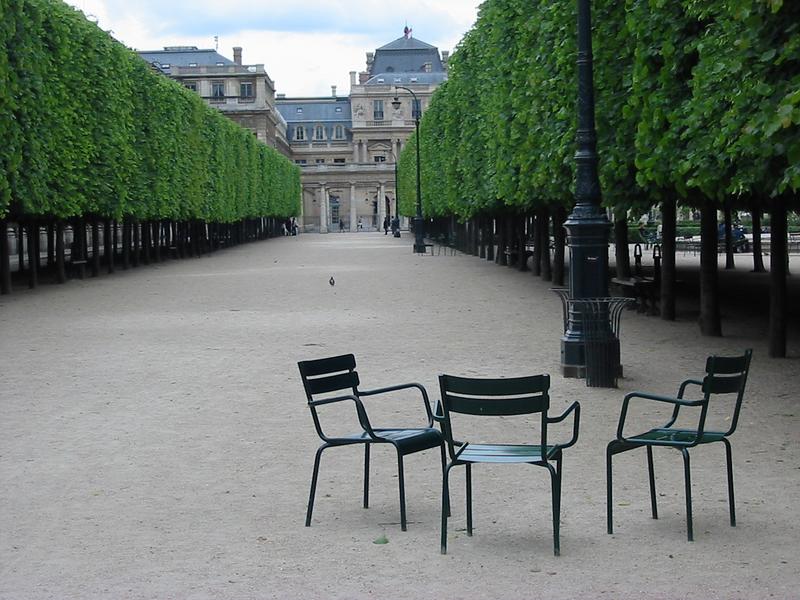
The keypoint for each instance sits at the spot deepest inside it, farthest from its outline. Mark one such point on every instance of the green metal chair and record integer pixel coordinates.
(501, 397)
(325, 376)
(724, 375)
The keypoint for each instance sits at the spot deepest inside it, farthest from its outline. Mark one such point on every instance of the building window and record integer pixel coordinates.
(338, 132)
(192, 64)
(338, 109)
(299, 134)
(320, 161)
(299, 110)
(338, 161)
(191, 85)
(377, 110)
(218, 90)
(319, 132)
(379, 159)
(246, 89)
(416, 108)
(300, 161)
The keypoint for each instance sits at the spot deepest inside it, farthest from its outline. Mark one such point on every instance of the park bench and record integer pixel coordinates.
(644, 290)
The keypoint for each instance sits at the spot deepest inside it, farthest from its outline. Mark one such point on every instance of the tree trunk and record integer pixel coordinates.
(20, 248)
(33, 249)
(146, 242)
(778, 272)
(536, 263)
(126, 243)
(51, 251)
(108, 242)
(559, 241)
(519, 225)
(5, 259)
(622, 251)
(710, 323)
(490, 225)
(668, 234)
(95, 247)
(547, 265)
(61, 269)
(502, 242)
(136, 243)
(482, 236)
(157, 240)
(758, 257)
(78, 254)
(729, 262)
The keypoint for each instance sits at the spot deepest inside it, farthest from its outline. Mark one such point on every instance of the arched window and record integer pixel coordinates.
(299, 134)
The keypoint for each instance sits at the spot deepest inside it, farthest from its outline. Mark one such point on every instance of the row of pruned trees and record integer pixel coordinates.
(698, 104)
(90, 132)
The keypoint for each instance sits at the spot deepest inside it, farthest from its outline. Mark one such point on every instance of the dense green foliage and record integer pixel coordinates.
(694, 99)
(89, 128)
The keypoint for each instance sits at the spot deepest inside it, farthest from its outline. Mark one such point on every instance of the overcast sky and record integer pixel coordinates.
(306, 46)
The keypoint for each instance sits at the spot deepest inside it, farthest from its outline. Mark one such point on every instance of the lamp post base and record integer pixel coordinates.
(419, 235)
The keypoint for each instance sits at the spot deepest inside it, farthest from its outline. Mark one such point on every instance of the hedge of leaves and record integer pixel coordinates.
(89, 128)
(695, 99)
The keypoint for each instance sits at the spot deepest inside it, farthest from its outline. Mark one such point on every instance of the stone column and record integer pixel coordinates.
(353, 208)
(323, 209)
(356, 151)
(381, 204)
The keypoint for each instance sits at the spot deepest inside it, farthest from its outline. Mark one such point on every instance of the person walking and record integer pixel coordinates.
(386, 225)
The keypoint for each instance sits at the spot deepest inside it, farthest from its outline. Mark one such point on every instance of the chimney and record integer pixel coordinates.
(445, 58)
(237, 55)
(352, 78)
(370, 60)
(363, 77)
(333, 91)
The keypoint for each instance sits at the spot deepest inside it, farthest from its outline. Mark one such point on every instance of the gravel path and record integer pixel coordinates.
(155, 443)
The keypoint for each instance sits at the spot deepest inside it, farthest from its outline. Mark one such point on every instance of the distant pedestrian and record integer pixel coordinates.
(294, 226)
(360, 224)
(386, 225)
(341, 225)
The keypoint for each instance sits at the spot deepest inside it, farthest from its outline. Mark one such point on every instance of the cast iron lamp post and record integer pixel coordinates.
(419, 238)
(587, 227)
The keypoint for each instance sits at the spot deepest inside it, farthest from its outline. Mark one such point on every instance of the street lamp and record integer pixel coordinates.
(419, 238)
(587, 227)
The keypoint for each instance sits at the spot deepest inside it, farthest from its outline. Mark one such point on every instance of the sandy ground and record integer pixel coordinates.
(155, 442)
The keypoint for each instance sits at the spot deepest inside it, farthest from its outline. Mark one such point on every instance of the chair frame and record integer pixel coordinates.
(337, 373)
(483, 397)
(724, 375)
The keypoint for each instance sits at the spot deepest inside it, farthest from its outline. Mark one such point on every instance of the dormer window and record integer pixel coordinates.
(338, 132)
(319, 132)
(192, 64)
(299, 134)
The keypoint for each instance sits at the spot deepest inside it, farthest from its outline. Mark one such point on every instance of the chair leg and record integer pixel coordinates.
(444, 468)
(609, 493)
(366, 475)
(469, 499)
(401, 479)
(688, 478)
(314, 484)
(555, 487)
(445, 506)
(729, 458)
(651, 473)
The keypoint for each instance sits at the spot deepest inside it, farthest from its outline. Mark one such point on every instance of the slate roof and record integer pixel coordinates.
(405, 78)
(315, 112)
(406, 55)
(184, 58)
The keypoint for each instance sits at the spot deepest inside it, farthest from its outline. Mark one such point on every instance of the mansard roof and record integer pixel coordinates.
(406, 55)
(184, 56)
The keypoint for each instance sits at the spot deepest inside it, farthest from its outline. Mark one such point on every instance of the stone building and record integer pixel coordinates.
(244, 93)
(347, 147)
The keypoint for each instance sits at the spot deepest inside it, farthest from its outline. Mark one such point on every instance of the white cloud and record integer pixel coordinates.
(306, 47)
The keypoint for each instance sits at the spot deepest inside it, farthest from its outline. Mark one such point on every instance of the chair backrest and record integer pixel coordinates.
(727, 375)
(325, 375)
(494, 397)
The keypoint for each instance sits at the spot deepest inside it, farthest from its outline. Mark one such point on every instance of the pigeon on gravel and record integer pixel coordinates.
(331, 281)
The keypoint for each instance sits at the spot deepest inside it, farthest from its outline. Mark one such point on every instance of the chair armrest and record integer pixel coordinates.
(363, 419)
(677, 402)
(438, 414)
(404, 386)
(686, 384)
(575, 408)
